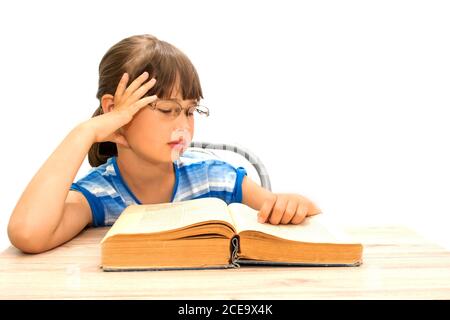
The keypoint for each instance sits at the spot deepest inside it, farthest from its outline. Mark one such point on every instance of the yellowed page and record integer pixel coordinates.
(169, 216)
(316, 229)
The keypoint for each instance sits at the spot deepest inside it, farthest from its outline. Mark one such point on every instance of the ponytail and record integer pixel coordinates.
(100, 151)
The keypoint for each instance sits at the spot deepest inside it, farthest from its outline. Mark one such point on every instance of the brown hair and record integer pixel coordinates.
(135, 55)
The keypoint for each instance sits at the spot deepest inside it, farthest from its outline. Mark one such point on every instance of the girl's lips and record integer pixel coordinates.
(177, 144)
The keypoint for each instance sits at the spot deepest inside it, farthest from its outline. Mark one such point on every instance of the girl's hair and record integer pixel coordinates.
(135, 55)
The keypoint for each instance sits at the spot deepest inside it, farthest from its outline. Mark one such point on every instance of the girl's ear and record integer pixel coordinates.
(107, 103)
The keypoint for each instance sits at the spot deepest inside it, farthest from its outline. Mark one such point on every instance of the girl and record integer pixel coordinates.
(149, 94)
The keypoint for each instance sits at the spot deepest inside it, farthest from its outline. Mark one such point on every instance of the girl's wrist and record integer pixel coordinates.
(85, 130)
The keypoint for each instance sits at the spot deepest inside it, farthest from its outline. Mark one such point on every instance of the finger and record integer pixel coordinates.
(278, 210)
(134, 85)
(313, 209)
(291, 209)
(143, 89)
(121, 88)
(266, 208)
(300, 214)
(135, 107)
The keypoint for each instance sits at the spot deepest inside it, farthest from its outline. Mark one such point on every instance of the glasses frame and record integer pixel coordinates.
(200, 109)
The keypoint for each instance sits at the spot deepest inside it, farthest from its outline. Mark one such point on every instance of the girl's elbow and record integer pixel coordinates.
(25, 240)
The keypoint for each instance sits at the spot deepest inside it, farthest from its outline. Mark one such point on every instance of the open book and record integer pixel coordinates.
(206, 233)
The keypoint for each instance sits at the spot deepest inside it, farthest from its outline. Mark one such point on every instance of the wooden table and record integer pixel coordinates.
(398, 264)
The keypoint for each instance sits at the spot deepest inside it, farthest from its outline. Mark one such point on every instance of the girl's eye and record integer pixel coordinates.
(192, 110)
(164, 111)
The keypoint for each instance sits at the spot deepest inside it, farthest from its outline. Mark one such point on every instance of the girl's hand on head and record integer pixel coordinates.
(127, 102)
(283, 208)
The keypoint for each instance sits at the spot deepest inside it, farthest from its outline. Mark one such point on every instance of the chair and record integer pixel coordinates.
(207, 147)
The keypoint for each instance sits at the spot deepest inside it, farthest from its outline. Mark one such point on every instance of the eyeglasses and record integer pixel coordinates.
(170, 109)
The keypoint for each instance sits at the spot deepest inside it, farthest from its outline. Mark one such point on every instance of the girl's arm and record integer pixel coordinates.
(40, 210)
(47, 213)
(276, 208)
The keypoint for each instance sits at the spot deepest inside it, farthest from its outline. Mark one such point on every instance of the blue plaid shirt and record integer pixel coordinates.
(197, 175)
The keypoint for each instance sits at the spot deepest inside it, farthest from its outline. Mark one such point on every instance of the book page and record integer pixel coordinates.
(316, 229)
(169, 216)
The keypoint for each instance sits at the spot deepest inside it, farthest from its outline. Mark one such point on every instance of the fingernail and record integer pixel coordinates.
(260, 219)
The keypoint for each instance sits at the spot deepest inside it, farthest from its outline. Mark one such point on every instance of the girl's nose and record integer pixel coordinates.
(181, 133)
(182, 121)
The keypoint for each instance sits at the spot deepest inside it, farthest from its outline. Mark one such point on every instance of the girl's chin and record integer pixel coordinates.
(176, 153)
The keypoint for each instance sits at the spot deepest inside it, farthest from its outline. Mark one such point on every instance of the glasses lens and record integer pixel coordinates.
(202, 111)
(166, 104)
(168, 108)
(171, 109)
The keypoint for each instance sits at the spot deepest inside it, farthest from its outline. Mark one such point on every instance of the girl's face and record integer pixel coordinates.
(151, 130)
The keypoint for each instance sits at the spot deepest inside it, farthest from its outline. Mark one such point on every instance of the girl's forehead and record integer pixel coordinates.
(176, 92)
(176, 96)
(181, 101)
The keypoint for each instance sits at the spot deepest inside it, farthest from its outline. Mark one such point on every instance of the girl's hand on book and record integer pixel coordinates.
(127, 102)
(285, 208)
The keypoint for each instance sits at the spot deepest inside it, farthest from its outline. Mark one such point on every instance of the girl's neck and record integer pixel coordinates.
(141, 175)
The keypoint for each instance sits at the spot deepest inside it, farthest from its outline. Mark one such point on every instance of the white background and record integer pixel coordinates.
(346, 102)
